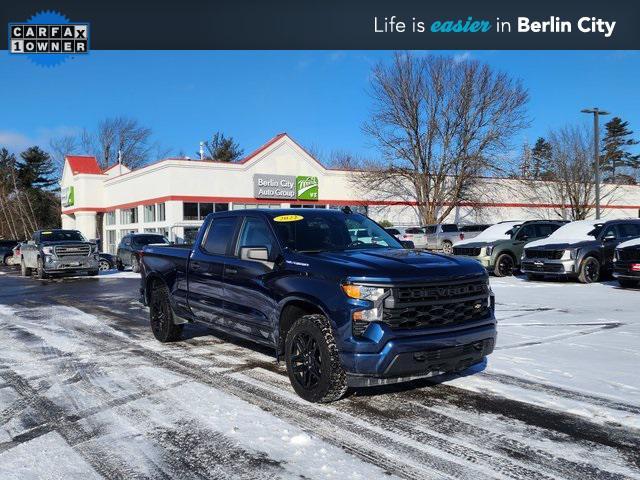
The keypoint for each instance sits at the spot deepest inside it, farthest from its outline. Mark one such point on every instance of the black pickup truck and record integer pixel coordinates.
(341, 311)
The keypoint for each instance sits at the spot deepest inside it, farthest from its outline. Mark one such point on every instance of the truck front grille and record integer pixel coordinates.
(547, 254)
(469, 252)
(72, 250)
(629, 255)
(437, 305)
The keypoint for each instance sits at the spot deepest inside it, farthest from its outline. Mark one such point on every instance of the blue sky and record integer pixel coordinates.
(319, 98)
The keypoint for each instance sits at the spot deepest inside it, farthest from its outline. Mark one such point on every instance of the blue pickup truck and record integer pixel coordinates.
(341, 311)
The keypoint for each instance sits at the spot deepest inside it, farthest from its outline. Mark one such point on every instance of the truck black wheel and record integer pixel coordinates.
(447, 247)
(628, 283)
(313, 362)
(5, 260)
(135, 264)
(505, 264)
(24, 271)
(589, 270)
(40, 270)
(161, 316)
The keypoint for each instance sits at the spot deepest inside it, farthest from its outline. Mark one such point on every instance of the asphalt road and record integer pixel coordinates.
(80, 365)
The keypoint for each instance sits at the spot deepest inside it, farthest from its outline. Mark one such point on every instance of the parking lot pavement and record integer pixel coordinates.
(86, 392)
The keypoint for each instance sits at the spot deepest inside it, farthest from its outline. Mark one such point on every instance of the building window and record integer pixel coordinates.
(190, 211)
(221, 207)
(150, 230)
(129, 215)
(246, 206)
(163, 231)
(314, 205)
(111, 241)
(110, 218)
(205, 209)
(149, 213)
(161, 212)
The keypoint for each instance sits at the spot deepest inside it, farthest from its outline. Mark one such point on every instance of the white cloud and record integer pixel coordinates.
(16, 141)
(461, 57)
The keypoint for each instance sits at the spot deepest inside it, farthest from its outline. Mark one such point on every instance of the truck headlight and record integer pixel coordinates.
(570, 254)
(47, 250)
(361, 292)
(488, 250)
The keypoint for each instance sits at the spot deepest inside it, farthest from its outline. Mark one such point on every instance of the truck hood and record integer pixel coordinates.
(560, 244)
(65, 242)
(392, 265)
(473, 243)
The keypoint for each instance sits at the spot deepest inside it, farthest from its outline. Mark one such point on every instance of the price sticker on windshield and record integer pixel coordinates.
(288, 218)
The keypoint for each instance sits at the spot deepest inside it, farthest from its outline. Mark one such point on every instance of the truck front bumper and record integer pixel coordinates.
(549, 267)
(56, 265)
(423, 355)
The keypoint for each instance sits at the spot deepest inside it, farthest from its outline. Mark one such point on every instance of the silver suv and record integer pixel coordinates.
(443, 235)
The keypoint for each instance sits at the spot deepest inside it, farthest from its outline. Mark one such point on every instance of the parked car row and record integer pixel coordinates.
(586, 250)
(60, 252)
(437, 236)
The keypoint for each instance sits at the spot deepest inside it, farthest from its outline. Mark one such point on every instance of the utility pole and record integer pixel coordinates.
(596, 150)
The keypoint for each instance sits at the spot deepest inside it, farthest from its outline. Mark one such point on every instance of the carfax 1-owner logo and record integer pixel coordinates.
(48, 38)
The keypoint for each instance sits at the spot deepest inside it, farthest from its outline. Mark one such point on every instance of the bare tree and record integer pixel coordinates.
(568, 191)
(438, 125)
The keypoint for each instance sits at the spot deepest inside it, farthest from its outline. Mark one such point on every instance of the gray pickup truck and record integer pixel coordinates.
(58, 252)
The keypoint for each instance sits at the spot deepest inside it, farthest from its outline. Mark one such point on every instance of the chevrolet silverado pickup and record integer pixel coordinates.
(582, 249)
(58, 252)
(341, 312)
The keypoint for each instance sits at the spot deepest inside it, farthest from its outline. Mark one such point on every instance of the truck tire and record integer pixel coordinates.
(40, 273)
(135, 264)
(313, 362)
(161, 316)
(628, 283)
(447, 247)
(505, 265)
(589, 270)
(24, 270)
(5, 260)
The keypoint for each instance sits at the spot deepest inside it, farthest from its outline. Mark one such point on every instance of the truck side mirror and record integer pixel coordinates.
(256, 254)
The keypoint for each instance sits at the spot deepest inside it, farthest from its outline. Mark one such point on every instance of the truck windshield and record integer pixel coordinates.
(149, 239)
(321, 232)
(61, 236)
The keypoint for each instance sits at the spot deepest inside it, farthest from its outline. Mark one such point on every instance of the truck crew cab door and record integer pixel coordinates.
(206, 269)
(249, 302)
(610, 240)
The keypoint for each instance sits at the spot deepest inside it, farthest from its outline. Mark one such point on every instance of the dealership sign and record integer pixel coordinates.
(285, 187)
(66, 196)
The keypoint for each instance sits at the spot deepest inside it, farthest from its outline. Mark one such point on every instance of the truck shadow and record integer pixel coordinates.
(418, 383)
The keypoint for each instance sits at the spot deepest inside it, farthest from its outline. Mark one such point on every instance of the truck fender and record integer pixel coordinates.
(153, 277)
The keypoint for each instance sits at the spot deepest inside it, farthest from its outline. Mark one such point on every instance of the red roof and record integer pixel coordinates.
(262, 148)
(83, 164)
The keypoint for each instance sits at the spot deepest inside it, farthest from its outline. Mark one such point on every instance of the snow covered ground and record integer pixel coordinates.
(86, 392)
(579, 340)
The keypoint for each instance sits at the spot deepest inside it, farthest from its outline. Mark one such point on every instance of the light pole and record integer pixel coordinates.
(596, 150)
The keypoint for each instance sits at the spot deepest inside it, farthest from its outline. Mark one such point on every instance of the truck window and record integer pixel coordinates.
(449, 228)
(629, 230)
(219, 236)
(255, 233)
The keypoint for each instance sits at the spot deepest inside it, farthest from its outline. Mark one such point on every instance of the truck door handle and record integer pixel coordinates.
(230, 271)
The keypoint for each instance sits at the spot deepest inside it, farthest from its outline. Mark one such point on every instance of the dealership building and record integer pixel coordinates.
(172, 196)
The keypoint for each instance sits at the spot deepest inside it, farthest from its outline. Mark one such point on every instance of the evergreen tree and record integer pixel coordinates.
(36, 169)
(222, 149)
(615, 156)
(540, 158)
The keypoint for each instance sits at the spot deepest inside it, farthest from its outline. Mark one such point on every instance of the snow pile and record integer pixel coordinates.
(491, 234)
